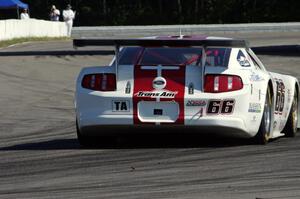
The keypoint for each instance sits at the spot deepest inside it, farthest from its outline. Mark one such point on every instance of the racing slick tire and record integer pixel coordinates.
(263, 135)
(290, 128)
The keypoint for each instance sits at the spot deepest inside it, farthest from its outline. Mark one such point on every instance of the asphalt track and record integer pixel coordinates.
(40, 156)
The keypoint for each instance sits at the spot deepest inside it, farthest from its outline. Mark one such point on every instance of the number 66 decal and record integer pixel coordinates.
(220, 106)
(280, 95)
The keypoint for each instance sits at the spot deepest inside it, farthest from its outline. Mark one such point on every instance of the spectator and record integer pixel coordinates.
(68, 16)
(24, 14)
(54, 14)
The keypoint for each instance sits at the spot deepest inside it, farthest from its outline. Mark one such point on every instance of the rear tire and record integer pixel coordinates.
(290, 128)
(263, 135)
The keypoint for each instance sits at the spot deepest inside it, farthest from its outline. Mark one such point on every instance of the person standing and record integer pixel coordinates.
(24, 14)
(54, 14)
(69, 15)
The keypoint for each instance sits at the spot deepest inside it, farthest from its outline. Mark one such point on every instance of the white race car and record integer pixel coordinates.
(212, 84)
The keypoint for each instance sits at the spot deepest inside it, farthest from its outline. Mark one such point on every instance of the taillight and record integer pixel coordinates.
(99, 82)
(214, 83)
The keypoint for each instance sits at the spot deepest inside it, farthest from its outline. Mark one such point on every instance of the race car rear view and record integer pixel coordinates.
(208, 83)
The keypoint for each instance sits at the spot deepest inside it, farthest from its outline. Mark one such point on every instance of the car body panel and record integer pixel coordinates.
(182, 102)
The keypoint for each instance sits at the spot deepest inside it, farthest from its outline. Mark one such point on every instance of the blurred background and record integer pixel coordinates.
(159, 12)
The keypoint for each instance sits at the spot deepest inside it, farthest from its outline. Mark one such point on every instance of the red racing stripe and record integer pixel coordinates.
(175, 83)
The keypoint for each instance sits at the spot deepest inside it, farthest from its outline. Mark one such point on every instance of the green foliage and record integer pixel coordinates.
(153, 12)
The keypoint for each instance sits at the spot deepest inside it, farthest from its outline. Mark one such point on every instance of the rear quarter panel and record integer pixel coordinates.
(286, 86)
(89, 104)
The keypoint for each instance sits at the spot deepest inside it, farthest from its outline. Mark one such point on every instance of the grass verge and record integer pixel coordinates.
(6, 43)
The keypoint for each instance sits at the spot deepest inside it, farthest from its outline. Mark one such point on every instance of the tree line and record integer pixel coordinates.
(159, 12)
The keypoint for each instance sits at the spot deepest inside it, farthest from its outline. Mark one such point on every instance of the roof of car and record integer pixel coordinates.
(175, 40)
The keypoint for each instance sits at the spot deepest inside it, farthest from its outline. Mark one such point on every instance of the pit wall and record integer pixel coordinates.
(13, 28)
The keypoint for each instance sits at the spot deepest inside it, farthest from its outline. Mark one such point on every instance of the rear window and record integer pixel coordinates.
(173, 56)
(169, 56)
(217, 56)
(129, 55)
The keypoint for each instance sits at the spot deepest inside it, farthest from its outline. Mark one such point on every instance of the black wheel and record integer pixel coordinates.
(83, 140)
(290, 128)
(263, 135)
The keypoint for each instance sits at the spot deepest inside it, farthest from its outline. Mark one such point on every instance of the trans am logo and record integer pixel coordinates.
(156, 94)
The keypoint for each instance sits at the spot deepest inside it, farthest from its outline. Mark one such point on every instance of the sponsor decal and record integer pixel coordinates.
(196, 103)
(155, 94)
(241, 58)
(254, 108)
(120, 106)
(255, 77)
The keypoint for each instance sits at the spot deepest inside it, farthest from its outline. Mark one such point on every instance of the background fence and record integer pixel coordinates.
(12, 28)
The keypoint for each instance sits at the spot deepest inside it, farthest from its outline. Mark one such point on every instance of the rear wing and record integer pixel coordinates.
(163, 42)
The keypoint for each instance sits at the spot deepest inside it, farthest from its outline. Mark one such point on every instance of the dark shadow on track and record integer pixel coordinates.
(60, 144)
(170, 141)
(135, 142)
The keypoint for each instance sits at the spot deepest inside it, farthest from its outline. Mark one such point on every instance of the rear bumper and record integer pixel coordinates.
(231, 127)
(96, 116)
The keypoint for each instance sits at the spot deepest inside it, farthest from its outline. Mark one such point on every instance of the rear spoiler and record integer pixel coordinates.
(160, 42)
